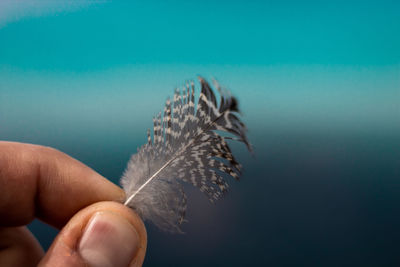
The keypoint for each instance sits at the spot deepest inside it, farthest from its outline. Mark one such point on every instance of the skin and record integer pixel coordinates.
(44, 183)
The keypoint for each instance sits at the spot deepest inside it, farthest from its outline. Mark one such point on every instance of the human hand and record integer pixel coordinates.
(41, 182)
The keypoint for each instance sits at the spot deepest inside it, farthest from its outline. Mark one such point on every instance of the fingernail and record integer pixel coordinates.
(108, 240)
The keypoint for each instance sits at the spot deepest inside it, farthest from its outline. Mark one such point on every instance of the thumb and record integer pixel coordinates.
(103, 234)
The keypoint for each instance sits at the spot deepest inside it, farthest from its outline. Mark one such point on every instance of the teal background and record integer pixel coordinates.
(318, 86)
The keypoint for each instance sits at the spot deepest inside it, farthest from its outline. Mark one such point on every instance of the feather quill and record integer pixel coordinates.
(185, 147)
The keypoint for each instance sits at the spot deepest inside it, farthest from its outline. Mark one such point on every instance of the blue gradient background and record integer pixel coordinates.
(319, 87)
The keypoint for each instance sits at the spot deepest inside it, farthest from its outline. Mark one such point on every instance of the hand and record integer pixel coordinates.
(41, 182)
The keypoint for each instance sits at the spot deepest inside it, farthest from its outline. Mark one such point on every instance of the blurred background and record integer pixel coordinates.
(318, 86)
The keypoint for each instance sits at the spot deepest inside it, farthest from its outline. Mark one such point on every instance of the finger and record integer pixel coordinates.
(42, 182)
(103, 234)
(19, 247)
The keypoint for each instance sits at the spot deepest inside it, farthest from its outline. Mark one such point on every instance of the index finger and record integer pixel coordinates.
(42, 182)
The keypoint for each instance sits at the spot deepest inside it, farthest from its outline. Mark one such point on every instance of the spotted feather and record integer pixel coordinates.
(185, 148)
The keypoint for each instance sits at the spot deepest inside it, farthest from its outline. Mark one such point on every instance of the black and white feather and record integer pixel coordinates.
(186, 147)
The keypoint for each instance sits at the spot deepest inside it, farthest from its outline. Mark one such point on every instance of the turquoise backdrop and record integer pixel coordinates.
(318, 84)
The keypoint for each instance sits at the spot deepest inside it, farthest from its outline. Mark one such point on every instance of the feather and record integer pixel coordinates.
(185, 147)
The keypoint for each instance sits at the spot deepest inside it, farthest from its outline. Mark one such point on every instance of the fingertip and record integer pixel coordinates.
(103, 234)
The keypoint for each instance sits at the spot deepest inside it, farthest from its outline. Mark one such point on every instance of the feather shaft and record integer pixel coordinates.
(168, 162)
